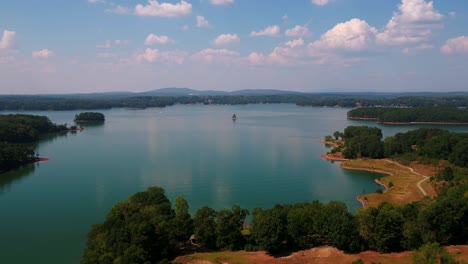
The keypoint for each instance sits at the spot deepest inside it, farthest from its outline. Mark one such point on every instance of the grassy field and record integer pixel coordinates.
(402, 179)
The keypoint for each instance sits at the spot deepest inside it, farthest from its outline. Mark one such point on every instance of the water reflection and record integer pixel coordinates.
(9, 178)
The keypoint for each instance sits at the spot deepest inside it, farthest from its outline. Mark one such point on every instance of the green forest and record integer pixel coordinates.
(147, 229)
(423, 143)
(89, 117)
(17, 133)
(414, 114)
(140, 102)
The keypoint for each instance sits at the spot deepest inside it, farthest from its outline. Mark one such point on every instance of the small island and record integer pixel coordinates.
(89, 117)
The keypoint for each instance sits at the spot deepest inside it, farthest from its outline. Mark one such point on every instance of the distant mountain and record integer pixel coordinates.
(189, 92)
(179, 92)
(265, 92)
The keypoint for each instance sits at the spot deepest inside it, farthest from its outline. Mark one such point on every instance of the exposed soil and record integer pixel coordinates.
(319, 255)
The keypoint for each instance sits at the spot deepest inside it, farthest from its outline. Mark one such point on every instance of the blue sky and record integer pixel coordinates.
(81, 46)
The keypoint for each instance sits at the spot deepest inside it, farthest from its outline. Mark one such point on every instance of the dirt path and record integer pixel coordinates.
(414, 172)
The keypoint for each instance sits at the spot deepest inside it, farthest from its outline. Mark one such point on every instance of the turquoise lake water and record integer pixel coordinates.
(270, 155)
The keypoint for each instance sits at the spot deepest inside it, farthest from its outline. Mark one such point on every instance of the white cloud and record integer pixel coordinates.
(342, 45)
(321, 2)
(256, 58)
(412, 24)
(295, 43)
(153, 55)
(153, 39)
(298, 31)
(202, 22)
(96, 1)
(216, 55)
(43, 54)
(226, 39)
(185, 27)
(271, 31)
(453, 14)
(354, 34)
(455, 45)
(150, 55)
(8, 39)
(417, 49)
(118, 9)
(222, 2)
(154, 8)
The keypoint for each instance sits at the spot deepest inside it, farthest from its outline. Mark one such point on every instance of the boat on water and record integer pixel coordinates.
(234, 117)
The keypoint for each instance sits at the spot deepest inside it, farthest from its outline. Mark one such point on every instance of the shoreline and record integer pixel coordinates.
(422, 123)
(406, 123)
(333, 158)
(41, 159)
(366, 169)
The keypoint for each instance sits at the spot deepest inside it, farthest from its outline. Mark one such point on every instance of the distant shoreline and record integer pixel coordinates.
(405, 123)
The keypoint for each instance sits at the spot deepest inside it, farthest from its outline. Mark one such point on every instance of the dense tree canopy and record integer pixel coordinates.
(414, 114)
(16, 131)
(146, 229)
(363, 141)
(89, 117)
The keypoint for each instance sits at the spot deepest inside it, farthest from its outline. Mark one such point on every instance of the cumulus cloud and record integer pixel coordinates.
(222, 2)
(256, 58)
(96, 1)
(154, 55)
(154, 8)
(216, 55)
(271, 31)
(202, 22)
(153, 39)
(354, 34)
(295, 43)
(8, 39)
(226, 39)
(412, 24)
(298, 32)
(455, 45)
(321, 2)
(43, 54)
(342, 44)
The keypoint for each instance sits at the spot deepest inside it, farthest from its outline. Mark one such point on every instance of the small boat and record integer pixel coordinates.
(234, 117)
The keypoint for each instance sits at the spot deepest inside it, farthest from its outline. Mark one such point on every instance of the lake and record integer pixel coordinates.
(270, 155)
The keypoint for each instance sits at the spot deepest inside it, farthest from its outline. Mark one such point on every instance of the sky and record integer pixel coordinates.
(85, 46)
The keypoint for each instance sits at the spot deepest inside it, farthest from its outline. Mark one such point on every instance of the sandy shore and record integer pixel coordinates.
(333, 158)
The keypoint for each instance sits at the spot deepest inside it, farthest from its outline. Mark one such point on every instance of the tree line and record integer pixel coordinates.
(139, 102)
(147, 229)
(423, 143)
(17, 132)
(89, 117)
(414, 114)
